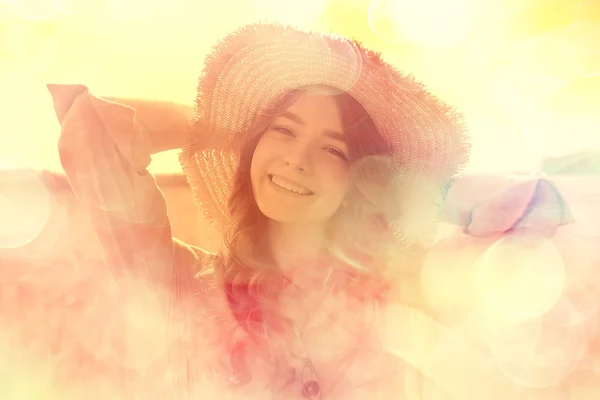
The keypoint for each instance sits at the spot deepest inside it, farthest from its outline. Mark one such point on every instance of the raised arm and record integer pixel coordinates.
(104, 150)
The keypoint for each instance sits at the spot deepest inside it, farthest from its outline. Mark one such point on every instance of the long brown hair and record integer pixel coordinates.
(250, 276)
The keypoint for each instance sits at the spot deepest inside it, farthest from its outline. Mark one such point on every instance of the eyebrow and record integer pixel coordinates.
(329, 133)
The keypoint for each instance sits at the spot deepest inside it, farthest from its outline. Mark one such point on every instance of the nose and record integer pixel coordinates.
(295, 166)
(297, 157)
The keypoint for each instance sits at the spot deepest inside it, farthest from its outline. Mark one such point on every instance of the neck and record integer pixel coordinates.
(296, 244)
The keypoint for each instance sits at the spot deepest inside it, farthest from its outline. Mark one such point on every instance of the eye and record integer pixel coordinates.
(283, 130)
(336, 152)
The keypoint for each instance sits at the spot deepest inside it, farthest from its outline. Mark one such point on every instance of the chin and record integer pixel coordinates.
(284, 216)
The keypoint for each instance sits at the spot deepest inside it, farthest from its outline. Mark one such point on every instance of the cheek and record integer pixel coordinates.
(335, 176)
(258, 161)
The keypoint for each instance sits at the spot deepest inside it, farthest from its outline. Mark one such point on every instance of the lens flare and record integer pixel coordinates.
(521, 276)
(540, 352)
(449, 274)
(24, 208)
(426, 22)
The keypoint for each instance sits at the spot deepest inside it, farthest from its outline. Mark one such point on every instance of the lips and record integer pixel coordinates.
(289, 185)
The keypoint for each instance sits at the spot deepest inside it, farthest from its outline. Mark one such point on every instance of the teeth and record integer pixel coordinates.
(282, 183)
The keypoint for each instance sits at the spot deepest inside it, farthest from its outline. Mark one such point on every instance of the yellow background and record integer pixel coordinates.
(525, 72)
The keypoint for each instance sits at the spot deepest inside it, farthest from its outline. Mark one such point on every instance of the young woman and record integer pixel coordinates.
(322, 167)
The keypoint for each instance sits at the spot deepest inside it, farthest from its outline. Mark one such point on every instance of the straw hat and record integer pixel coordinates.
(250, 70)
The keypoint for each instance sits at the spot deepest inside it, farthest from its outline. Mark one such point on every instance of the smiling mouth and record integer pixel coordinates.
(291, 187)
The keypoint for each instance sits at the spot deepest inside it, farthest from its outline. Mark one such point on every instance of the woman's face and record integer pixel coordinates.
(299, 170)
